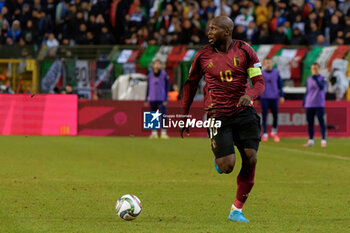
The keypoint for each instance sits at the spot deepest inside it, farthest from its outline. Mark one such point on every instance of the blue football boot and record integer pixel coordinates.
(237, 216)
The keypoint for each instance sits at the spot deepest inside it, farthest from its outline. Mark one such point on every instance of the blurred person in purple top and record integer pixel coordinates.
(157, 93)
(314, 103)
(270, 97)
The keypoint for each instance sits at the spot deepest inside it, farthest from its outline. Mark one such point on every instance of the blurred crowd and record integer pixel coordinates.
(146, 22)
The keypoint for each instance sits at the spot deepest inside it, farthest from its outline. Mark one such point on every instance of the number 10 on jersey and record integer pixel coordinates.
(228, 76)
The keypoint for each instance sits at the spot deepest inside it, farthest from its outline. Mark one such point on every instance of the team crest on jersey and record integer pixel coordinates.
(211, 64)
(236, 61)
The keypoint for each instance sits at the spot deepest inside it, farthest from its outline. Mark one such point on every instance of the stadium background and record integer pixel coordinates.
(94, 48)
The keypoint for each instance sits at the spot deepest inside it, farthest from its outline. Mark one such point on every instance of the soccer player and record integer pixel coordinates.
(314, 102)
(227, 65)
(157, 93)
(270, 97)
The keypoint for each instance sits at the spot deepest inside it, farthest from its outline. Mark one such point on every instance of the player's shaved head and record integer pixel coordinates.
(223, 22)
(220, 33)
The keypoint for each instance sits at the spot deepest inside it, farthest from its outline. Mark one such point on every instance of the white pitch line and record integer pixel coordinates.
(312, 153)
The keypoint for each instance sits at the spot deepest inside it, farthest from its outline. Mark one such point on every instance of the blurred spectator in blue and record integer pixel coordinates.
(321, 40)
(277, 20)
(16, 32)
(136, 19)
(281, 6)
(244, 19)
(251, 31)
(212, 8)
(125, 18)
(204, 9)
(2, 4)
(298, 23)
(52, 42)
(223, 9)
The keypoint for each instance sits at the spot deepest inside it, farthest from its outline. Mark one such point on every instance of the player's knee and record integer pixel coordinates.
(229, 163)
(226, 164)
(252, 158)
(252, 161)
(227, 168)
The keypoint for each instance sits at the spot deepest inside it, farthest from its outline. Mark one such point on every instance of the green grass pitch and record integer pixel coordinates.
(71, 184)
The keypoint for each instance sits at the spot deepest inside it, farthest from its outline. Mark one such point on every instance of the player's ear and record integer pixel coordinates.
(227, 32)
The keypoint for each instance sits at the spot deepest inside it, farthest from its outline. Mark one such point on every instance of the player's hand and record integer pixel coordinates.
(181, 130)
(245, 100)
(282, 100)
(165, 103)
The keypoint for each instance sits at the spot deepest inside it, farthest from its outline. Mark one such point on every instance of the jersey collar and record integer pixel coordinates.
(217, 51)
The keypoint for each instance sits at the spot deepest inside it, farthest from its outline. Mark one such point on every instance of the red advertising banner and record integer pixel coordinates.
(292, 119)
(125, 118)
(38, 115)
(119, 118)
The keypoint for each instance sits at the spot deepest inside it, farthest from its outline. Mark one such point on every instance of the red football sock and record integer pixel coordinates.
(245, 182)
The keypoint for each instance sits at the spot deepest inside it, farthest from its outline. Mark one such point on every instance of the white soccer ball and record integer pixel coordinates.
(128, 207)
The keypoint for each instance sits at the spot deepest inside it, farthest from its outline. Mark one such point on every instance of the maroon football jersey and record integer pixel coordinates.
(226, 77)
